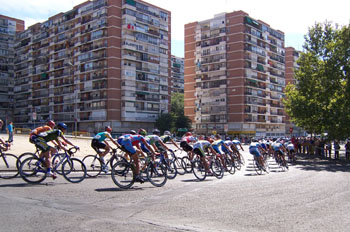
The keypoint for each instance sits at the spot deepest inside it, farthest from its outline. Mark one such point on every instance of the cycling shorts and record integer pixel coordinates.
(97, 145)
(41, 144)
(127, 145)
(185, 146)
(199, 152)
(255, 152)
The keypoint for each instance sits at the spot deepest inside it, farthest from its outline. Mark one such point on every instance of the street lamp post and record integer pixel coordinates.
(75, 99)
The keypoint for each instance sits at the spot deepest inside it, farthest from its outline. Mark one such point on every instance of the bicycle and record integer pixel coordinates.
(94, 164)
(199, 171)
(33, 169)
(123, 172)
(169, 164)
(26, 155)
(260, 168)
(8, 168)
(179, 163)
(282, 163)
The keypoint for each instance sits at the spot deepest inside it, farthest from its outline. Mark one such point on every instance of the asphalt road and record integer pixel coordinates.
(314, 195)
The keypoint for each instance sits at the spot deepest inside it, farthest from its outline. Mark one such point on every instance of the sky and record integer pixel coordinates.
(294, 18)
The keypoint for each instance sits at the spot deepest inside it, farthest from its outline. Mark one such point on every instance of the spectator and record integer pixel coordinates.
(329, 148)
(347, 150)
(10, 132)
(336, 149)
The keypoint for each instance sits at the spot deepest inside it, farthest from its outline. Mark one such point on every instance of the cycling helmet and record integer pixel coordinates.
(142, 132)
(51, 124)
(188, 133)
(167, 133)
(132, 132)
(228, 138)
(61, 126)
(108, 129)
(156, 131)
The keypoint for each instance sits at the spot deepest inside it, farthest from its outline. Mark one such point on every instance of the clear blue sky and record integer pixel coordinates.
(293, 18)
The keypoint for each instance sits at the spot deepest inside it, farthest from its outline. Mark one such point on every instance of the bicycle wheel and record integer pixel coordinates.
(217, 169)
(73, 170)
(179, 166)
(22, 157)
(123, 174)
(267, 166)
(156, 174)
(241, 159)
(231, 166)
(198, 169)
(8, 167)
(93, 165)
(115, 158)
(257, 166)
(186, 164)
(170, 168)
(57, 161)
(33, 170)
(236, 162)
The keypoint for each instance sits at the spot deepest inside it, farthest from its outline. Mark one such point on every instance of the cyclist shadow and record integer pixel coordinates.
(196, 180)
(116, 189)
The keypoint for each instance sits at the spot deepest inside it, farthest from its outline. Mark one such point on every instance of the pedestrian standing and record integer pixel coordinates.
(347, 150)
(336, 149)
(329, 147)
(10, 132)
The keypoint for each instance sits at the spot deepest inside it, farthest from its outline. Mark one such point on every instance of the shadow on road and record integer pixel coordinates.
(315, 163)
(116, 189)
(196, 180)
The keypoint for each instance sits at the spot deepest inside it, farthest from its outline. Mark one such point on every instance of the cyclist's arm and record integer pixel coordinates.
(147, 146)
(65, 140)
(241, 146)
(229, 149)
(173, 142)
(113, 141)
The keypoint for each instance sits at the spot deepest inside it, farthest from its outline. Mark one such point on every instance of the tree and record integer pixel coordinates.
(319, 101)
(176, 118)
(164, 122)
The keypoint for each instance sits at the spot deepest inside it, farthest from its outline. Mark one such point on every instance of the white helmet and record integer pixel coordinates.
(167, 133)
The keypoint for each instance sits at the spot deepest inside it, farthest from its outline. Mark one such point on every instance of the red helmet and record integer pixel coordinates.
(108, 129)
(188, 134)
(51, 124)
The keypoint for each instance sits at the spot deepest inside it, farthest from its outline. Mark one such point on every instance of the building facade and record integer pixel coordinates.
(8, 28)
(105, 62)
(235, 76)
(177, 74)
(292, 56)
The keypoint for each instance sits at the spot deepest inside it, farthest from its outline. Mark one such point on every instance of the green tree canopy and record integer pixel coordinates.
(319, 101)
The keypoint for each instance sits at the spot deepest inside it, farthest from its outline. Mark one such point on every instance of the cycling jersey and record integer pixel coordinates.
(216, 145)
(102, 136)
(34, 133)
(254, 149)
(200, 147)
(151, 139)
(128, 141)
(277, 146)
(47, 136)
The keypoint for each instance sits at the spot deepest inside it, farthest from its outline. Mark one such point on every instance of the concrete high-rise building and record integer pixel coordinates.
(292, 56)
(105, 62)
(177, 74)
(8, 28)
(235, 76)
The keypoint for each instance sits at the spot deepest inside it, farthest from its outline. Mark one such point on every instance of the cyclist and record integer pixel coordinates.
(279, 150)
(218, 142)
(4, 146)
(255, 149)
(237, 143)
(46, 150)
(291, 150)
(128, 142)
(168, 137)
(34, 133)
(200, 148)
(99, 142)
(185, 144)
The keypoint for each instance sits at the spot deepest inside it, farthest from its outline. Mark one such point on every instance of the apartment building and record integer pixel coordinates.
(235, 76)
(105, 62)
(8, 28)
(291, 57)
(177, 74)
